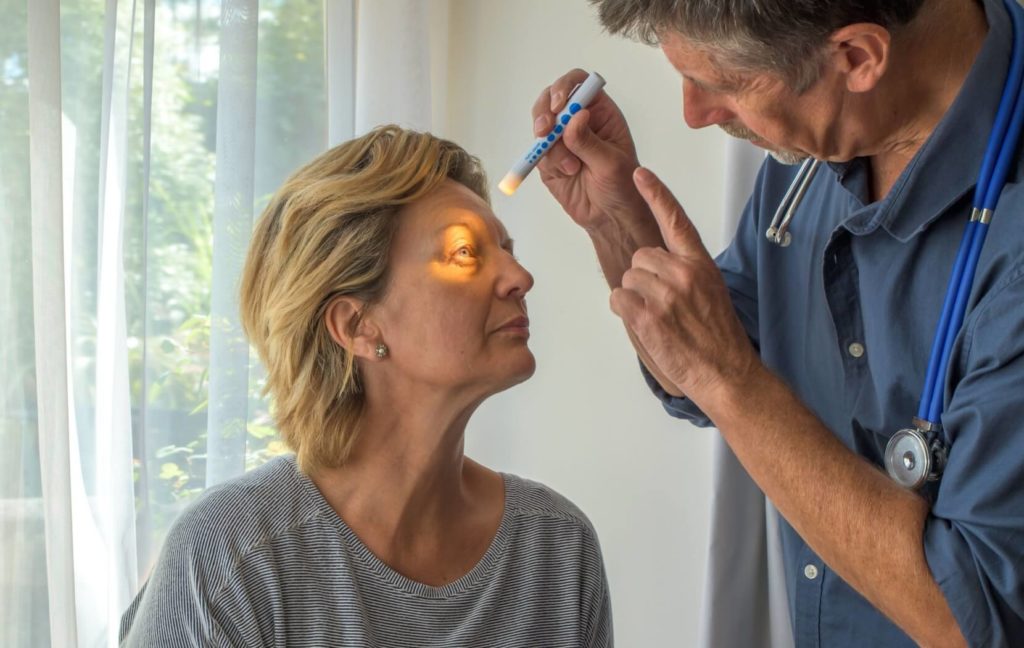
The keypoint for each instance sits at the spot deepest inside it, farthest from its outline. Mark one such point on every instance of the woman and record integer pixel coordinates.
(383, 297)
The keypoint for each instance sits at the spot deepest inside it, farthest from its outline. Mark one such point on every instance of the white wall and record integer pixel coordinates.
(585, 423)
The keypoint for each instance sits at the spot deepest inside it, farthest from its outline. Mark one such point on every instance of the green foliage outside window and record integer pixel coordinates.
(168, 259)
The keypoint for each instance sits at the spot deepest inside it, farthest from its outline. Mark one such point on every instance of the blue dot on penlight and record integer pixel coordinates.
(558, 129)
(574, 108)
(544, 145)
(565, 119)
(551, 138)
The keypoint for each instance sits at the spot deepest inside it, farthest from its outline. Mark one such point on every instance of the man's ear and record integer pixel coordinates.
(348, 327)
(861, 52)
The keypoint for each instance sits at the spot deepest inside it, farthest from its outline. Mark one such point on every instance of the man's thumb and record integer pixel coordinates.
(582, 141)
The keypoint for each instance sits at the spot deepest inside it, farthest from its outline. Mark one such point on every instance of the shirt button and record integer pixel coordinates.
(811, 572)
(856, 349)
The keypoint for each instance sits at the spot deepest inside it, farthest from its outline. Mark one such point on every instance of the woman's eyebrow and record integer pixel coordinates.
(449, 226)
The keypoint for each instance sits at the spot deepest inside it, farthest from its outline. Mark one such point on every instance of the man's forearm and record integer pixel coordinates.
(864, 526)
(616, 244)
(615, 247)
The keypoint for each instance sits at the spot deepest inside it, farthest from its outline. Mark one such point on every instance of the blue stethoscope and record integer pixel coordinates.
(917, 455)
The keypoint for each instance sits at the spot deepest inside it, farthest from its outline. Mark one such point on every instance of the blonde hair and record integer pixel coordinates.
(327, 232)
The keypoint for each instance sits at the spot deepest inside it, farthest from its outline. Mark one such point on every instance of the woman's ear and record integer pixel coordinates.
(349, 328)
(861, 52)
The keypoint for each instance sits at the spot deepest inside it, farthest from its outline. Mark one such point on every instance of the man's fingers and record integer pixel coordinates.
(627, 304)
(563, 86)
(551, 100)
(563, 158)
(641, 281)
(559, 161)
(577, 146)
(584, 143)
(541, 112)
(680, 236)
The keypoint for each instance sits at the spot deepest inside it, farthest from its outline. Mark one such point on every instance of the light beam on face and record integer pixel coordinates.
(458, 253)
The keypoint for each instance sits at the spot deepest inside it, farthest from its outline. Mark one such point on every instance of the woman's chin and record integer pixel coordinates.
(518, 371)
(529, 368)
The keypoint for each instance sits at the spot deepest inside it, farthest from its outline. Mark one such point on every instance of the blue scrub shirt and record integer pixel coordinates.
(846, 315)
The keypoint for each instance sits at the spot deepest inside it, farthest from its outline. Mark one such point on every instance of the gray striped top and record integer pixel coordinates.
(263, 560)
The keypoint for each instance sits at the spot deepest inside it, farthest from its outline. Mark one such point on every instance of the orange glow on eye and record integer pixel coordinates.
(456, 255)
(456, 238)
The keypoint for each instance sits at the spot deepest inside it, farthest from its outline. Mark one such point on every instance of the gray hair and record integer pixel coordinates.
(781, 36)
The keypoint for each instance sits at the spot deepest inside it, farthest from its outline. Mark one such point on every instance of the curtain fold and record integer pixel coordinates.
(232, 223)
(393, 83)
(105, 542)
(745, 577)
(49, 299)
(340, 41)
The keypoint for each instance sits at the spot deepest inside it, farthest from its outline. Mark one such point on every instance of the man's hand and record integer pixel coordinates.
(677, 307)
(589, 171)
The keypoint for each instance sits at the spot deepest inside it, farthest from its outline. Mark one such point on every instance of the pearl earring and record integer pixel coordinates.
(382, 350)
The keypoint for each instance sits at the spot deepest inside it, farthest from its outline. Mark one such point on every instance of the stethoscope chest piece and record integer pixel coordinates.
(911, 459)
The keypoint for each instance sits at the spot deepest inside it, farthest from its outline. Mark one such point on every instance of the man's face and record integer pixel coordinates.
(759, 107)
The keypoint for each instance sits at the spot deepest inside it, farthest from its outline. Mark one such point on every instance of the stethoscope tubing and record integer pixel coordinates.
(791, 200)
(999, 156)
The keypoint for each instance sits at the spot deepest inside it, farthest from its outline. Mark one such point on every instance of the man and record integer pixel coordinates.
(808, 358)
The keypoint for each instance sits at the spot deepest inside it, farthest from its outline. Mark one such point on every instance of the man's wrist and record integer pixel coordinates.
(627, 231)
(734, 394)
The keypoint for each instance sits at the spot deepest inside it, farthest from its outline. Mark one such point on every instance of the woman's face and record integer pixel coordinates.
(454, 315)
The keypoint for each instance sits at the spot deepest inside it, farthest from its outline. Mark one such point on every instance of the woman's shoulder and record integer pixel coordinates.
(210, 543)
(240, 513)
(532, 499)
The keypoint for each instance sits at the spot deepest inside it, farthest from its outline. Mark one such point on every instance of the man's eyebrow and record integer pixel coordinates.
(713, 87)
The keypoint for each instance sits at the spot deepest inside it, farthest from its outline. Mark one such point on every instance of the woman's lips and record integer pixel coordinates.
(520, 325)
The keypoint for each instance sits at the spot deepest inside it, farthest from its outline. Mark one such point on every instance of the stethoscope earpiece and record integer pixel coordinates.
(782, 240)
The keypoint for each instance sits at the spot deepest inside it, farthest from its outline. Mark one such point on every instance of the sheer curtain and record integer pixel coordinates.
(141, 139)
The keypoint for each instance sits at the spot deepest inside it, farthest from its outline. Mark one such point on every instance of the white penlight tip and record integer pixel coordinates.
(509, 184)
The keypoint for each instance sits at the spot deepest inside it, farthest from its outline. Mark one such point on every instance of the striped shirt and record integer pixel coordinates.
(263, 560)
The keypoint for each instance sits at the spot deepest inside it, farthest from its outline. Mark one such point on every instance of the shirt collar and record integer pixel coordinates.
(947, 165)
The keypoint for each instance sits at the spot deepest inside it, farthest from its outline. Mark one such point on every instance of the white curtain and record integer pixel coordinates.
(141, 140)
(745, 579)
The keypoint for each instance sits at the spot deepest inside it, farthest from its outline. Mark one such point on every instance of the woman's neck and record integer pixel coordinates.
(409, 492)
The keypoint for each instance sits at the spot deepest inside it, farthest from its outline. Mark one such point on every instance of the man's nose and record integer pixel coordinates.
(703, 108)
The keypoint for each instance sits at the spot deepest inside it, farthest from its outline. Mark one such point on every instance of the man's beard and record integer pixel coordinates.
(744, 133)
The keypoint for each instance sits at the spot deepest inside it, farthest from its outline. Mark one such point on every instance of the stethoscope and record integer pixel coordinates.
(918, 454)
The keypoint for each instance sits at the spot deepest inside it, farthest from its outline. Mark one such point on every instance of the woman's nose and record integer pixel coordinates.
(515, 280)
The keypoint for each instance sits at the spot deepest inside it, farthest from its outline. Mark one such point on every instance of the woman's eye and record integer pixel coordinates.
(464, 253)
